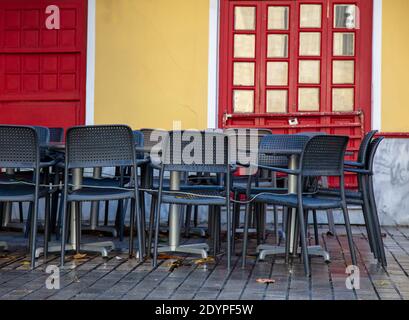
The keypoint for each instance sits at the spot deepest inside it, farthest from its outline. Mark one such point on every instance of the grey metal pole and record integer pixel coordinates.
(95, 204)
(174, 214)
(77, 182)
(292, 212)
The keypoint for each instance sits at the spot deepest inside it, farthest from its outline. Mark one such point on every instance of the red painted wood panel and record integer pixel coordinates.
(353, 123)
(42, 71)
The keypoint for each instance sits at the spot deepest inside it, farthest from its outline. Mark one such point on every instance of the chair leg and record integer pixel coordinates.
(59, 219)
(46, 226)
(235, 218)
(78, 225)
(276, 233)
(213, 226)
(151, 225)
(121, 219)
(287, 232)
(218, 227)
(188, 217)
(245, 234)
(131, 228)
(304, 248)
(106, 213)
(349, 235)
(228, 233)
(377, 226)
(316, 233)
(63, 229)
(143, 215)
(20, 210)
(28, 222)
(369, 224)
(34, 232)
(156, 242)
(140, 229)
(196, 216)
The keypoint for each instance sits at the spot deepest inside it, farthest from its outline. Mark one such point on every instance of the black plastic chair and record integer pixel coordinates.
(364, 197)
(321, 156)
(270, 142)
(263, 182)
(20, 149)
(101, 146)
(214, 159)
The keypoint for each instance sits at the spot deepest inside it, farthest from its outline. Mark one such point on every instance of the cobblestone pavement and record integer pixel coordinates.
(117, 277)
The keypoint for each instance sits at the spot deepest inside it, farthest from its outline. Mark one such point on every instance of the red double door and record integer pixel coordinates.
(42, 70)
(295, 66)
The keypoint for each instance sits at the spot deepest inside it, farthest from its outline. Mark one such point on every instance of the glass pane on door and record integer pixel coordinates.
(245, 18)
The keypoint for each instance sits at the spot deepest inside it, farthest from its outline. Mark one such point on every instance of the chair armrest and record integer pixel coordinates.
(282, 170)
(354, 164)
(141, 162)
(50, 163)
(358, 171)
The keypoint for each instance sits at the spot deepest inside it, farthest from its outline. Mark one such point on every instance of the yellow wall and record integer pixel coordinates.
(151, 62)
(395, 66)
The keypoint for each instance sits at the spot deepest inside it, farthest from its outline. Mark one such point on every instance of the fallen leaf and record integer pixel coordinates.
(262, 280)
(79, 256)
(381, 283)
(204, 260)
(175, 264)
(164, 256)
(25, 263)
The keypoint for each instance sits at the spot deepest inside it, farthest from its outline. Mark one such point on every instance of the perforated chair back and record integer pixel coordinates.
(139, 141)
(279, 142)
(194, 151)
(245, 131)
(324, 156)
(19, 147)
(138, 138)
(100, 146)
(312, 134)
(43, 135)
(56, 134)
(365, 144)
(373, 147)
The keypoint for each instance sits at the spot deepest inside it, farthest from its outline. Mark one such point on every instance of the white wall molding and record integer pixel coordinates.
(90, 84)
(213, 64)
(377, 66)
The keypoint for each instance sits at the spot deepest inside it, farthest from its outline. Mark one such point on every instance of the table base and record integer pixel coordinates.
(20, 226)
(4, 245)
(196, 248)
(264, 250)
(100, 247)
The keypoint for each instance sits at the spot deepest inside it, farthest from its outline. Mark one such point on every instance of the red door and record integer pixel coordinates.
(42, 71)
(295, 66)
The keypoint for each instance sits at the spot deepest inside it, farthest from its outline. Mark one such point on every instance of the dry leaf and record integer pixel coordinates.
(164, 256)
(175, 264)
(25, 263)
(204, 260)
(261, 280)
(381, 283)
(79, 256)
